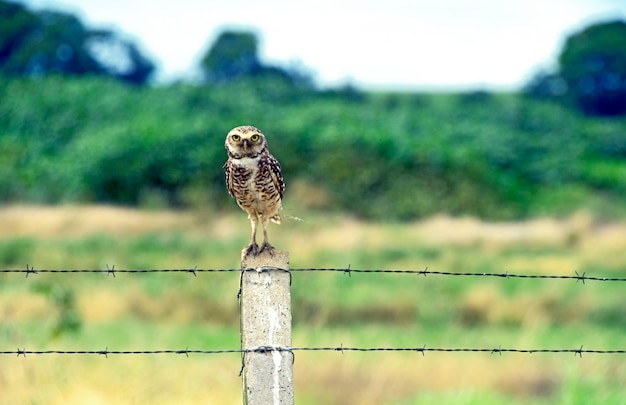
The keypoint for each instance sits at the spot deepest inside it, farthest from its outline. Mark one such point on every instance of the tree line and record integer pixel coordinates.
(34, 44)
(590, 75)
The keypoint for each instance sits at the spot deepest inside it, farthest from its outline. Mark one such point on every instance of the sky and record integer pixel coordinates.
(386, 45)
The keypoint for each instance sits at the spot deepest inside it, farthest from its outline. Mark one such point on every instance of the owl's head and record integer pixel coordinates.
(245, 141)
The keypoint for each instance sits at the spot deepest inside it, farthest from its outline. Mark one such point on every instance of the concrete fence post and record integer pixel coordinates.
(265, 303)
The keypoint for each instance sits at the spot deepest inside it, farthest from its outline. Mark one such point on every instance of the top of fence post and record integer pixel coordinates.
(266, 329)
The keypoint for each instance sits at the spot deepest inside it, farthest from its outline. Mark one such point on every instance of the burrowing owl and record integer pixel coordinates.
(254, 179)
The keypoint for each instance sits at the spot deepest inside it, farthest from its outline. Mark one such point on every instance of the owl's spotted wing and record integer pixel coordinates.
(229, 172)
(277, 175)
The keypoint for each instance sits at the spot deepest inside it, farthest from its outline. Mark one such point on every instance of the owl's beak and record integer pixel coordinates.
(246, 144)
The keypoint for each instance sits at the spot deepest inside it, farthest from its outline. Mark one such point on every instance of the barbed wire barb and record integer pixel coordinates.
(243, 364)
(579, 352)
(30, 270)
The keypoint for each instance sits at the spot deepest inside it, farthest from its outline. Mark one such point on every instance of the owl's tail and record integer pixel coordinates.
(276, 219)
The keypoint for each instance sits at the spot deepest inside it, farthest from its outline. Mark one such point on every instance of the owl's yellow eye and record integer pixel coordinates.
(236, 138)
(254, 138)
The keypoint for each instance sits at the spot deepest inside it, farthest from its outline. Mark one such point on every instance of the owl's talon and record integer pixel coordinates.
(252, 248)
(266, 247)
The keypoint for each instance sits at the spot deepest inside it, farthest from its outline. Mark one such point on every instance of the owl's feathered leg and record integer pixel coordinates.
(252, 247)
(266, 244)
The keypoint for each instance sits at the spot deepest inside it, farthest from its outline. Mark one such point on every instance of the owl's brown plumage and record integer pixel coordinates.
(255, 180)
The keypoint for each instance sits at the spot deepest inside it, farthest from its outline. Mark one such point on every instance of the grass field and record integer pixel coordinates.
(178, 311)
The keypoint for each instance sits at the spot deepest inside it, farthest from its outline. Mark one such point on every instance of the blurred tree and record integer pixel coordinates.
(17, 24)
(593, 64)
(545, 85)
(53, 46)
(591, 72)
(234, 56)
(37, 44)
(118, 57)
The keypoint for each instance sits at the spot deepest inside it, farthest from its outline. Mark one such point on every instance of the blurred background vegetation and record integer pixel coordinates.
(80, 122)
(83, 125)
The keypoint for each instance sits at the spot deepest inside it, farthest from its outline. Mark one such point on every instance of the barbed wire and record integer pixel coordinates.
(349, 271)
(425, 272)
(266, 349)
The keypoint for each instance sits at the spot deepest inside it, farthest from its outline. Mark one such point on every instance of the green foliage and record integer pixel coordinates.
(16, 251)
(381, 156)
(68, 320)
(17, 23)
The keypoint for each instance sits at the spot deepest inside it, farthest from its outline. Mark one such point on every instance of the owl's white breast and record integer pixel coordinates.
(248, 163)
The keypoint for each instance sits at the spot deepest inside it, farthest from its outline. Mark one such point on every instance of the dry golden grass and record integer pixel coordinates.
(337, 232)
(393, 377)
(79, 221)
(122, 380)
